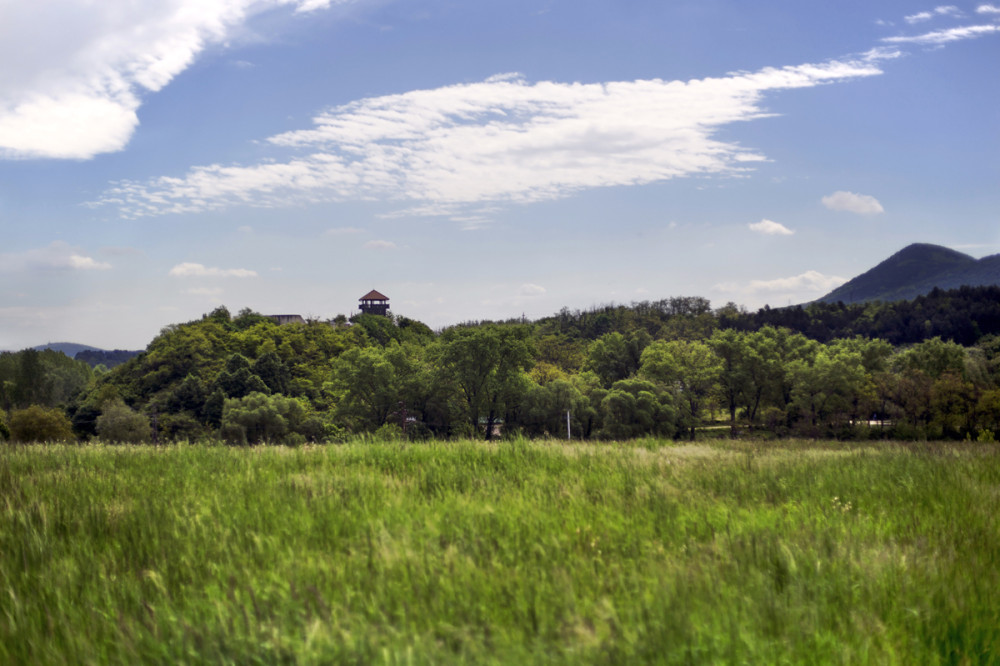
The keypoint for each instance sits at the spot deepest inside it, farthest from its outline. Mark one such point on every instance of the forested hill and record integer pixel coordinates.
(963, 315)
(930, 367)
(916, 270)
(109, 359)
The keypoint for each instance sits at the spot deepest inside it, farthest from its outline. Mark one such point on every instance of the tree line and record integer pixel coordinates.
(668, 368)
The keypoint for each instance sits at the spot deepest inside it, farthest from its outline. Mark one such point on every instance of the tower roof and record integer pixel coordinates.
(374, 296)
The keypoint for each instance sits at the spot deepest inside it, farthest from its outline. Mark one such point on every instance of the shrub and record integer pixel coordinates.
(119, 423)
(40, 424)
(265, 419)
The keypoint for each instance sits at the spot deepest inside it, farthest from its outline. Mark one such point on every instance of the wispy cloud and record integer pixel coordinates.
(188, 269)
(811, 281)
(503, 140)
(939, 37)
(862, 204)
(770, 228)
(943, 10)
(83, 67)
(917, 18)
(987, 9)
(58, 255)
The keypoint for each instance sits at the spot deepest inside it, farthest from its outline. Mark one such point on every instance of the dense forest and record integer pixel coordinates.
(926, 368)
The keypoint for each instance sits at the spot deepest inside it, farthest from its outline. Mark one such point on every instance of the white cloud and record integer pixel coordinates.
(770, 228)
(503, 140)
(380, 245)
(987, 9)
(812, 281)
(528, 289)
(58, 255)
(862, 204)
(938, 37)
(919, 17)
(82, 67)
(79, 262)
(943, 10)
(188, 269)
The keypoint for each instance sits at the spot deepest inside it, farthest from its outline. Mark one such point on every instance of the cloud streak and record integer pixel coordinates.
(943, 10)
(188, 269)
(940, 37)
(503, 140)
(811, 281)
(80, 78)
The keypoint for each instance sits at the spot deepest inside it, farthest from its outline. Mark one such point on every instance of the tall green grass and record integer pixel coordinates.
(381, 552)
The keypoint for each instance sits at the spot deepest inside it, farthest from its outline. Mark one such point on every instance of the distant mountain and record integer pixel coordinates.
(916, 270)
(93, 356)
(69, 348)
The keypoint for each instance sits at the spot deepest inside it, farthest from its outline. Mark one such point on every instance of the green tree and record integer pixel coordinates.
(688, 369)
(273, 372)
(614, 357)
(264, 419)
(121, 424)
(486, 363)
(546, 407)
(238, 380)
(735, 373)
(40, 424)
(953, 406)
(637, 408)
(827, 388)
(933, 357)
(371, 384)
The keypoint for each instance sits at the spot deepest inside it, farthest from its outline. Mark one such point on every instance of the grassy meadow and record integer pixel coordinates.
(512, 552)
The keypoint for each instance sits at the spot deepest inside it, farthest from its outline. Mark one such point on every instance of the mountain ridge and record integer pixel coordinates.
(916, 270)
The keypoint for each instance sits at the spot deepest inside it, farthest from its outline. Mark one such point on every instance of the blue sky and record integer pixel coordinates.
(477, 160)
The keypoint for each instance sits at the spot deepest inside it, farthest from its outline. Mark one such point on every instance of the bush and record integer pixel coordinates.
(4, 431)
(121, 424)
(40, 424)
(266, 419)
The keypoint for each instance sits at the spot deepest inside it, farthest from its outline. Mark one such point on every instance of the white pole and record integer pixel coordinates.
(569, 434)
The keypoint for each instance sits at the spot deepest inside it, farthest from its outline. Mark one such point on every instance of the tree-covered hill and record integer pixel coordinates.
(917, 270)
(929, 367)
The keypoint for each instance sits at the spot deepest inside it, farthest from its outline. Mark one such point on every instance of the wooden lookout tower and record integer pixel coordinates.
(374, 303)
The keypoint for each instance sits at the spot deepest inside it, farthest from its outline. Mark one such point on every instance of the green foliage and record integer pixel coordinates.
(613, 357)
(933, 357)
(486, 363)
(816, 377)
(636, 408)
(47, 378)
(237, 379)
(688, 369)
(4, 430)
(40, 424)
(120, 424)
(267, 419)
(372, 384)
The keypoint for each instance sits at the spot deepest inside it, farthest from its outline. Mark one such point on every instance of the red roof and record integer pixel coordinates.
(374, 296)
